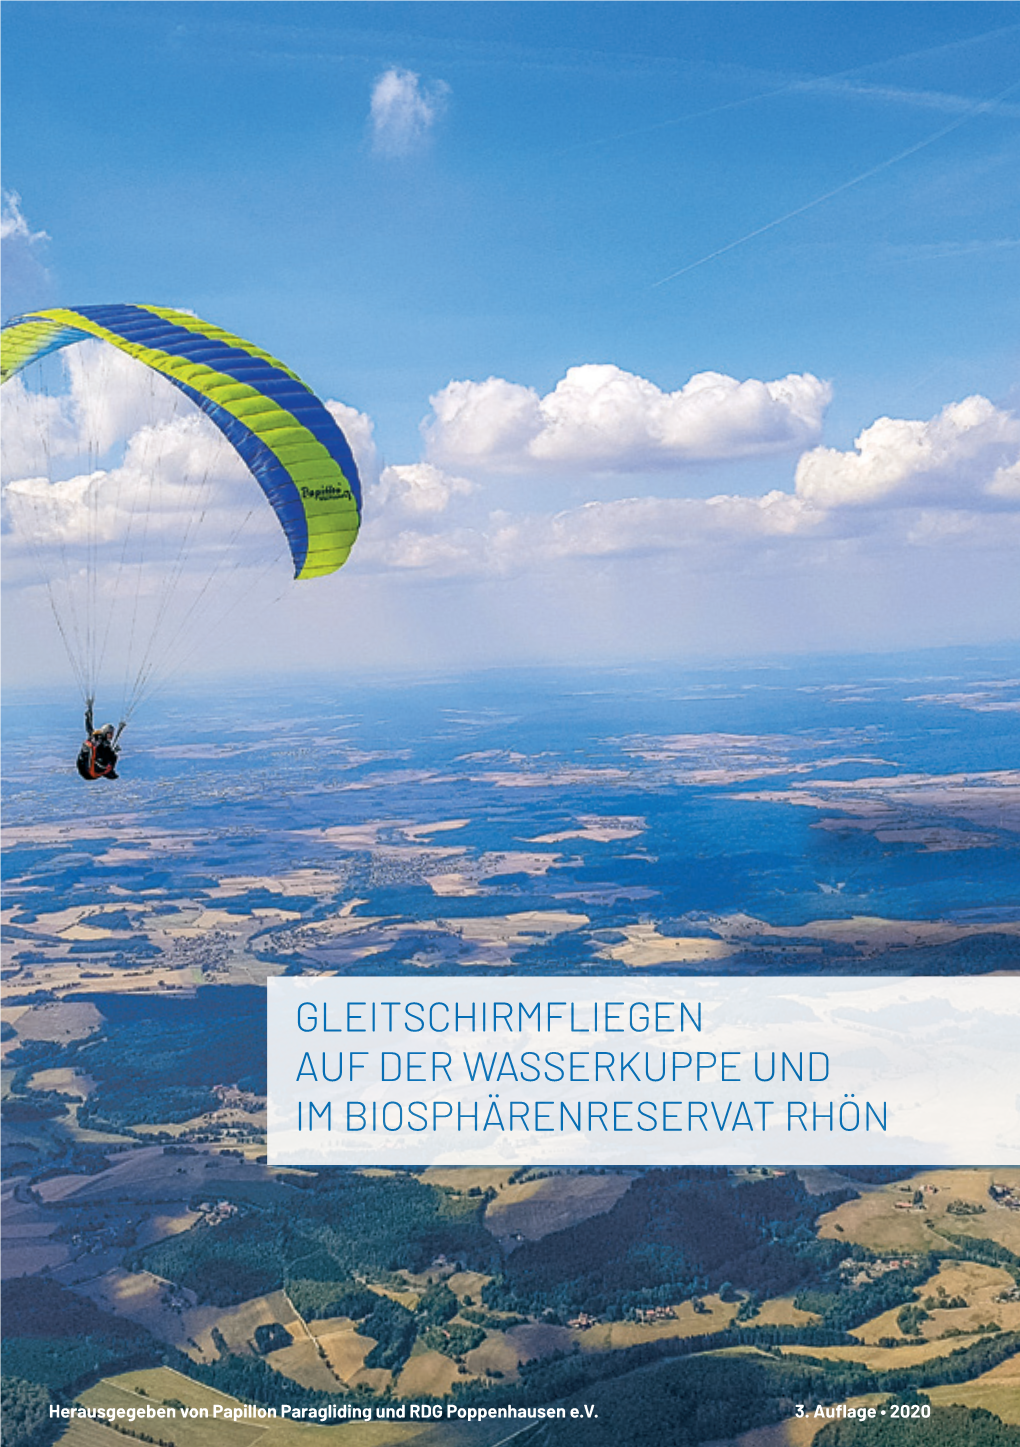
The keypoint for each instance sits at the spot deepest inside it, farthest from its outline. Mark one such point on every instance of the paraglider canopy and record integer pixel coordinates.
(285, 435)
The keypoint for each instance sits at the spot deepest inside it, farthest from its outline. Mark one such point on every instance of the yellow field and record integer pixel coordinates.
(149, 1301)
(533, 1209)
(462, 1178)
(162, 1224)
(27, 1247)
(377, 1379)
(884, 1358)
(54, 1020)
(496, 1354)
(872, 1220)
(238, 1323)
(780, 1311)
(532, 1341)
(997, 1391)
(645, 945)
(793, 1432)
(614, 1335)
(84, 1135)
(409, 1299)
(92, 1434)
(429, 1374)
(320, 1326)
(978, 1285)
(147, 1174)
(345, 1349)
(501, 1351)
(68, 1082)
(161, 1384)
(468, 1283)
(27, 1258)
(302, 1363)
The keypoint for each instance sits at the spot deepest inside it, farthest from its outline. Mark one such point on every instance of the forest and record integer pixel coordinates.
(338, 1222)
(946, 1427)
(675, 1234)
(156, 1059)
(60, 1340)
(702, 1398)
(55, 1342)
(326, 1236)
(25, 1413)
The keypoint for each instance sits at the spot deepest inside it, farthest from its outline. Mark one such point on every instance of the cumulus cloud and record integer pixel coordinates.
(967, 455)
(172, 474)
(602, 418)
(27, 417)
(404, 111)
(109, 398)
(419, 487)
(123, 462)
(26, 280)
(954, 481)
(112, 396)
(1005, 482)
(632, 526)
(625, 528)
(934, 500)
(720, 537)
(359, 430)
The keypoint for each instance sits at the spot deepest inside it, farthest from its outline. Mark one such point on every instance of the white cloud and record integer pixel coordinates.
(122, 465)
(473, 550)
(483, 424)
(603, 418)
(951, 479)
(632, 526)
(173, 473)
(13, 225)
(27, 418)
(419, 487)
(624, 529)
(962, 529)
(113, 396)
(26, 280)
(967, 454)
(404, 111)
(110, 397)
(1005, 482)
(359, 430)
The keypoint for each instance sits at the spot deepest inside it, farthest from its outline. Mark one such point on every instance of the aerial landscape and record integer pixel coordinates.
(525, 665)
(828, 829)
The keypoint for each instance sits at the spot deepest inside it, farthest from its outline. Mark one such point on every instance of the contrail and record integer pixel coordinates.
(817, 82)
(982, 106)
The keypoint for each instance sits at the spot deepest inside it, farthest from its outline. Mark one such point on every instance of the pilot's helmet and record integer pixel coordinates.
(107, 731)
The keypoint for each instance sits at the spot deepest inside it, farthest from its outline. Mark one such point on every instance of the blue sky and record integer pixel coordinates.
(398, 197)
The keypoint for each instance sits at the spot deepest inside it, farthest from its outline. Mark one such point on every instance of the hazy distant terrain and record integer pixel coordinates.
(793, 819)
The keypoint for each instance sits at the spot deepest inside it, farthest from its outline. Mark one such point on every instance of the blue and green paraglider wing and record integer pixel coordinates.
(280, 429)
